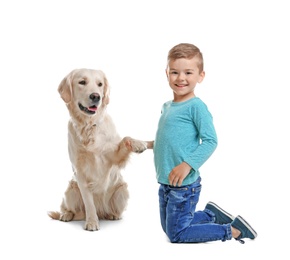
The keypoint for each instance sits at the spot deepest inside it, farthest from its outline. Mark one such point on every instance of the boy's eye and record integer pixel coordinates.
(173, 72)
(82, 82)
(188, 73)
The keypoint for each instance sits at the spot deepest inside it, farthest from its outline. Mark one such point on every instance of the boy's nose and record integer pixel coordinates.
(181, 76)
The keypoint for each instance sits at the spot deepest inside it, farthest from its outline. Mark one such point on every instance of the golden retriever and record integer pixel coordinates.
(96, 151)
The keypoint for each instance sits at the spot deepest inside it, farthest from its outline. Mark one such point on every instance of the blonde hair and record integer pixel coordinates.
(186, 51)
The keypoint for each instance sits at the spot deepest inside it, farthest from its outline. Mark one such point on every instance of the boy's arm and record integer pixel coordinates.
(150, 144)
(207, 134)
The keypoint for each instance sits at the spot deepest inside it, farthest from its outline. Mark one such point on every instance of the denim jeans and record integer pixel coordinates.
(181, 222)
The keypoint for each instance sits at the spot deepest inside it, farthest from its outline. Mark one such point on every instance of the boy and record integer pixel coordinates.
(185, 139)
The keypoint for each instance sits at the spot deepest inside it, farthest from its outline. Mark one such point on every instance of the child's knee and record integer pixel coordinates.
(173, 236)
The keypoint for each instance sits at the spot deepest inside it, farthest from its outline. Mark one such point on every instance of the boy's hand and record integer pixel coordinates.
(150, 144)
(178, 174)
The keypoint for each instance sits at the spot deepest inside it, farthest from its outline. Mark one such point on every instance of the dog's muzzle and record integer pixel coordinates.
(94, 99)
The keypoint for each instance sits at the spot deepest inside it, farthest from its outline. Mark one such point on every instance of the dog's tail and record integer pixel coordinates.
(54, 214)
(77, 216)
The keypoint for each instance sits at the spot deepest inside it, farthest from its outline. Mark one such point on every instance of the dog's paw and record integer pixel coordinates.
(92, 225)
(66, 216)
(112, 217)
(134, 145)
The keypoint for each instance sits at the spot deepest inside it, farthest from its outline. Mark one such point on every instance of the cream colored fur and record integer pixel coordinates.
(97, 153)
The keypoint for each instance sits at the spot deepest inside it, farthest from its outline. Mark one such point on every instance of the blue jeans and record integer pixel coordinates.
(181, 222)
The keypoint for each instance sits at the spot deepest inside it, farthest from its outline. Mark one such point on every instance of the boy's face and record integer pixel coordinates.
(183, 75)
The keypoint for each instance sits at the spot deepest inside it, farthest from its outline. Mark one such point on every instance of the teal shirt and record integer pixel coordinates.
(185, 134)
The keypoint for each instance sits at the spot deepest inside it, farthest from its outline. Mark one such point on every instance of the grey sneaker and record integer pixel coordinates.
(221, 216)
(246, 230)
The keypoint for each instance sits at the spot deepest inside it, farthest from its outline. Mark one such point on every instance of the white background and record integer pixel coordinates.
(246, 51)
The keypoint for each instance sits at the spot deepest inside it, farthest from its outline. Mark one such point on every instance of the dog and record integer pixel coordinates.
(96, 151)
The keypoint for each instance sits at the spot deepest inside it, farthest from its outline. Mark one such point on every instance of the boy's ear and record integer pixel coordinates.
(166, 72)
(201, 77)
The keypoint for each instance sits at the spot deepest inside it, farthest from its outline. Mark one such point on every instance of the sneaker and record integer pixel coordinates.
(221, 216)
(246, 230)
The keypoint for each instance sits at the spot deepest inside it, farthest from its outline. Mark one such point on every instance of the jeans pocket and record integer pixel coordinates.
(194, 198)
(178, 198)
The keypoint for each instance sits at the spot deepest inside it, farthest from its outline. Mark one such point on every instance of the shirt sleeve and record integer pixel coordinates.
(203, 121)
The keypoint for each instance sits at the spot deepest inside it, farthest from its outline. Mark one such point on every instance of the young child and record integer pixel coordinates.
(185, 139)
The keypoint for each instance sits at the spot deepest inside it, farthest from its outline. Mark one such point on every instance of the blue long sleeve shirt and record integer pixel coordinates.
(185, 134)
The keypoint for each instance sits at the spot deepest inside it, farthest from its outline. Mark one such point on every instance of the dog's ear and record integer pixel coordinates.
(106, 98)
(65, 88)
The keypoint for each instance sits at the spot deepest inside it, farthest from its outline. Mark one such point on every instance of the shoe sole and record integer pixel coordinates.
(220, 209)
(248, 226)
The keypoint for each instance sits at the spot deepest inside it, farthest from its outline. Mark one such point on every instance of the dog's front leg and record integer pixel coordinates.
(125, 147)
(92, 220)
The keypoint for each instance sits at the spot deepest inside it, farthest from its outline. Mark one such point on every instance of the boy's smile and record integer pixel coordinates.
(181, 86)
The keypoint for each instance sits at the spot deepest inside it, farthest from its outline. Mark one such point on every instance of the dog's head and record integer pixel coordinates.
(85, 89)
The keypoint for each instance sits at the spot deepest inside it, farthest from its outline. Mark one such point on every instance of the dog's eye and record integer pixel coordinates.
(82, 82)
(100, 84)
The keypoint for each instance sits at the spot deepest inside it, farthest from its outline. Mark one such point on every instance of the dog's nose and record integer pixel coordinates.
(95, 97)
